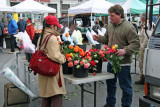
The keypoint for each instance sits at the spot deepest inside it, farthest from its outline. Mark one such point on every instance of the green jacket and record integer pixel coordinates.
(125, 36)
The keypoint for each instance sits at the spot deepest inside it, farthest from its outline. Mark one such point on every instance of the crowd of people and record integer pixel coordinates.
(119, 31)
(13, 28)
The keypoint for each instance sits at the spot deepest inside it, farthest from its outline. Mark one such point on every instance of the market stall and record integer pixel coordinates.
(136, 7)
(91, 6)
(31, 6)
(5, 8)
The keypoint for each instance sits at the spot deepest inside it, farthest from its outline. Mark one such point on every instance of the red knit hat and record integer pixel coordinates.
(28, 21)
(52, 20)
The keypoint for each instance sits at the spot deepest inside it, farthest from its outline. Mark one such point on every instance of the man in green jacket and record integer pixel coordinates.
(122, 33)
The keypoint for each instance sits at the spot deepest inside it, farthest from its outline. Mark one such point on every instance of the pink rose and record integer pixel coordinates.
(82, 62)
(69, 59)
(108, 52)
(70, 64)
(86, 65)
(76, 62)
(102, 55)
(100, 52)
(105, 46)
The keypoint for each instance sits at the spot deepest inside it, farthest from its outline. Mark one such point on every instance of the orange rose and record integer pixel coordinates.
(76, 50)
(70, 47)
(80, 50)
(82, 53)
(77, 46)
(67, 34)
(67, 55)
(58, 38)
(88, 57)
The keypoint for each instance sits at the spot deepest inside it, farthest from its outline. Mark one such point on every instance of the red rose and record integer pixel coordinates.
(92, 63)
(105, 59)
(91, 50)
(113, 50)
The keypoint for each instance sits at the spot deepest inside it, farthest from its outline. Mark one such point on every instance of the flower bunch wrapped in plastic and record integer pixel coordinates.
(110, 54)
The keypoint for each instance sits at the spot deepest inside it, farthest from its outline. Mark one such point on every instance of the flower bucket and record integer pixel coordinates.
(80, 72)
(66, 69)
(83, 46)
(97, 46)
(98, 67)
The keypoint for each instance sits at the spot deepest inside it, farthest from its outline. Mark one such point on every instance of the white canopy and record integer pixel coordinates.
(91, 6)
(31, 6)
(5, 8)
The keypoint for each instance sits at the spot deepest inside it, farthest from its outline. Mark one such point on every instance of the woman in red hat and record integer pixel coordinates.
(50, 88)
(30, 29)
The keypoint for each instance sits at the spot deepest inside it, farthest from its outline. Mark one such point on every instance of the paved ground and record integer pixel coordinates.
(72, 99)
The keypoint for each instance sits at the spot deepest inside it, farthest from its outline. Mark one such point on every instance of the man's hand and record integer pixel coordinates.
(95, 37)
(121, 52)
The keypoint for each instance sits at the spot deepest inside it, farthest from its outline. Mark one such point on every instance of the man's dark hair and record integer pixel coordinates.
(117, 9)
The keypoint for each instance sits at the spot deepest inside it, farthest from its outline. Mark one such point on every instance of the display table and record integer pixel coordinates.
(90, 78)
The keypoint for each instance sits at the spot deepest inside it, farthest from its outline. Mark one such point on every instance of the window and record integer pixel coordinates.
(14, 3)
(65, 6)
(53, 6)
(157, 31)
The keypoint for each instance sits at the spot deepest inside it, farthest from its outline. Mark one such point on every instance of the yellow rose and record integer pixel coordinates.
(71, 54)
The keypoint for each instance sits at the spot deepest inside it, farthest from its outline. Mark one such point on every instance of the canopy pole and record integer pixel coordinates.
(68, 20)
(130, 16)
(91, 20)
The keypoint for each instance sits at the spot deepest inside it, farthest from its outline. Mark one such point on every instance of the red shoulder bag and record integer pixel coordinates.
(42, 65)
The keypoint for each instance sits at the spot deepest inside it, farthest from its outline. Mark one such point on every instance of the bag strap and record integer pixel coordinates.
(45, 41)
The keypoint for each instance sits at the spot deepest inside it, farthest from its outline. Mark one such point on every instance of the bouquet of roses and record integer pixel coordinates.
(78, 58)
(97, 56)
(110, 54)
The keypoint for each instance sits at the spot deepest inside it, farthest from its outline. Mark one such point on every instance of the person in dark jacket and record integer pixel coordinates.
(96, 26)
(21, 25)
(1, 36)
(122, 33)
(12, 30)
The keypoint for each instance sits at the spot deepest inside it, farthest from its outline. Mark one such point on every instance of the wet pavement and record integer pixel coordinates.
(73, 96)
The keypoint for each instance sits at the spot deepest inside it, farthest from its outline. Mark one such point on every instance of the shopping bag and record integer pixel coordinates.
(4, 43)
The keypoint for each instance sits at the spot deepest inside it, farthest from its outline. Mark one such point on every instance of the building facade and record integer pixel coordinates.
(61, 6)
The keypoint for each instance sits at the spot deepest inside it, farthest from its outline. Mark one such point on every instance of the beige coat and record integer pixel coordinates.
(143, 45)
(48, 86)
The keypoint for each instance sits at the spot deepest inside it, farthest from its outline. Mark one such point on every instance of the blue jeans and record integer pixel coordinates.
(125, 83)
